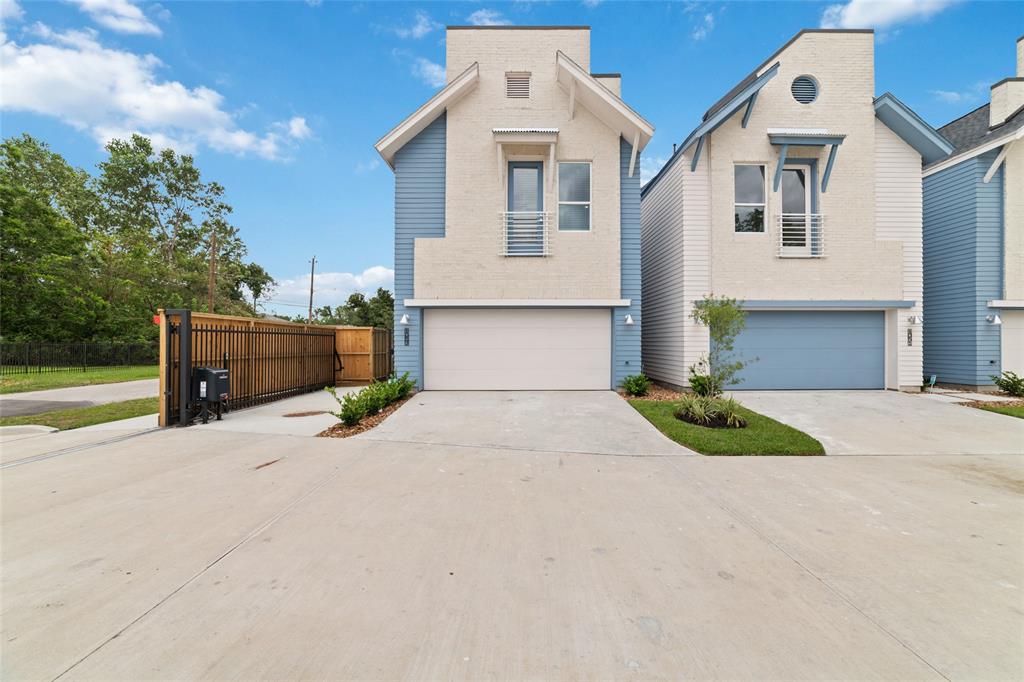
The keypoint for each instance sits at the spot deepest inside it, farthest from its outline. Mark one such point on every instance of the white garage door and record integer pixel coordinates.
(1012, 341)
(516, 349)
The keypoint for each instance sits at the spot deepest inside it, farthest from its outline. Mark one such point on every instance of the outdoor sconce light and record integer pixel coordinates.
(404, 320)
(915, 319)
(629, 320)
(994, 319)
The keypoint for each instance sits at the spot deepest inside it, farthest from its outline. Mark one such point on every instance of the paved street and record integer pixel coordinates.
(36, 402)
(205, 553)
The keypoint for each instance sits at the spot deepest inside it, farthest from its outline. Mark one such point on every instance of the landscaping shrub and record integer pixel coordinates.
(725, 319)
(711, 412)
(701, 382)
(1010, 383)
(636, 385)
(372, 399)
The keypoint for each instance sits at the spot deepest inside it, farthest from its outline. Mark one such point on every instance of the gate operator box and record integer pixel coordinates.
(210, 390)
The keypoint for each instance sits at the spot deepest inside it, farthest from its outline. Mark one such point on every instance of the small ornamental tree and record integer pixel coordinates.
(725, 319)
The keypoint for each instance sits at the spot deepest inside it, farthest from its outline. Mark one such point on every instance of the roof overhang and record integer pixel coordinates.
(784, 138)
(603, 103)
(745, 97)
(1004, 142)
(397, 138)
(911, 128)
(525, 135)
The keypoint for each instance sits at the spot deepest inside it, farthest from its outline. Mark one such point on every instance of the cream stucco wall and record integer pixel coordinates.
(1013, 230)
(858, 265)
(466, 263)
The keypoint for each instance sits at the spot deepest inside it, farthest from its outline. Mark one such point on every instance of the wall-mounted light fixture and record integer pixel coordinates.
(629, 320)
(404, 320)
(915, 319)
(994, 319)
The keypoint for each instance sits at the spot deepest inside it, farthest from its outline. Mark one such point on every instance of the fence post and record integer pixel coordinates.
(85, 357)
(184, 362)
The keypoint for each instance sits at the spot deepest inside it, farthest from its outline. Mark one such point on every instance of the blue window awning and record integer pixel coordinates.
(784, 139)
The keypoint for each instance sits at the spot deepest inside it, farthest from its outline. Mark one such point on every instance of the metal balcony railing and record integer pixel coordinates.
(801, 235)
(524, 233)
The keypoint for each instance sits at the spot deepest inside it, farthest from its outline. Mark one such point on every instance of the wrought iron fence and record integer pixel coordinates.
(41, 357)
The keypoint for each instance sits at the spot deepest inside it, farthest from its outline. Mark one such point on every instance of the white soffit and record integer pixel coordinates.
(397, 138)
(602, 102)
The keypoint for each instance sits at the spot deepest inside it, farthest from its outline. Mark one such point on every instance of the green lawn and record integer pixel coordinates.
(87, 416)
(18, 383)
(762, 436)
(1012, 410)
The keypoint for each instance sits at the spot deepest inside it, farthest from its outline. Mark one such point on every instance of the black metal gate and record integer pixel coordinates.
(263, 364)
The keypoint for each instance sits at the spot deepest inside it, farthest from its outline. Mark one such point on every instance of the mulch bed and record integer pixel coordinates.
(992, 403)
(311, 413)
(656, 393)
(339, 430)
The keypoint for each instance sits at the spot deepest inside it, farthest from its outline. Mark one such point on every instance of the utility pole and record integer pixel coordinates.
(213, 269)
(312, 270)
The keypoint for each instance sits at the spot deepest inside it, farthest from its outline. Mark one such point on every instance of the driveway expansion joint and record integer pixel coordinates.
(684, 453)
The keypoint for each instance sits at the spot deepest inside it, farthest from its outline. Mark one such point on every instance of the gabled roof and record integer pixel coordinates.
(409, 128)
(603, 103)
(901, 119)
(972, 133)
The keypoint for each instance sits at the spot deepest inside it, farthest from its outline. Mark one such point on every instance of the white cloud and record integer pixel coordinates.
(107, 93)
(591, 3)
(880, 13)
(948, 96)
(702, 29)
(10, 10)
(968, 95)
(118, 15)
(649, 167)
(364, 167)
(298, 129)
(422, 25)
(488, 17)
(427, 71)
(329, 288)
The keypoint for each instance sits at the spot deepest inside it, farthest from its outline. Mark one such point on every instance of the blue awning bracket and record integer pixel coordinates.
(696, 153)
(828, 167)
(778, 168)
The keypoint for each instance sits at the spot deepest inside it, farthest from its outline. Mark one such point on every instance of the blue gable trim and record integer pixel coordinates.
(911, 128)
(626, 338)
(419, 212)
(963, 270)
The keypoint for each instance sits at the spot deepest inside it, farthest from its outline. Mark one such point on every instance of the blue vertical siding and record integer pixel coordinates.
(963, 270)
(419, 212)
(626, 339)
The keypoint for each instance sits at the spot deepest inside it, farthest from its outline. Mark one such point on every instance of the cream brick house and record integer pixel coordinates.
(799, 194)
(517, 218)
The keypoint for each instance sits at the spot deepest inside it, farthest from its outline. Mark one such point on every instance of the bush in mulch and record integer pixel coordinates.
(370, 401)
(715, 413)
(340, 430)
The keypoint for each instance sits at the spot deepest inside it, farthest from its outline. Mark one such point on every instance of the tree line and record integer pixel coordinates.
(88, 257)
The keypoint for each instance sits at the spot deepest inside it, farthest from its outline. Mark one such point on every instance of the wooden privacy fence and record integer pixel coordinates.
(266, 359)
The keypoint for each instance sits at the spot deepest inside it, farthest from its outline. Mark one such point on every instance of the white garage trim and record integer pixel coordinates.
(517, 349)
(516, 303)
(1012, 341)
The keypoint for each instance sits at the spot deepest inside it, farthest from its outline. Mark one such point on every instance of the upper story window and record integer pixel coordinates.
(574, 196)
(750, 192)
(517, 84)
(804, 89)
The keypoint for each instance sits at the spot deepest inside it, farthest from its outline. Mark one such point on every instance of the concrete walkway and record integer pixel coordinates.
(199, 553)
(36, 402)
(890, 423)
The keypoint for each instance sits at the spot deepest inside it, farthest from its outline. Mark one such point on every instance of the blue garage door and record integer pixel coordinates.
(813, 350)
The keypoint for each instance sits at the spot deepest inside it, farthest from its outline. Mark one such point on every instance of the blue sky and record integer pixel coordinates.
(282, 102)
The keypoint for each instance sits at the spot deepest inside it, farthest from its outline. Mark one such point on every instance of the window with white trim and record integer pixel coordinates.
(573, 196)
(517, 84)
(750, 193)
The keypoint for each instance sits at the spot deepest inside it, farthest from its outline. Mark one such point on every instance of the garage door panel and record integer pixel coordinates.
(517, 349)
(813, 350)
(1012, 341)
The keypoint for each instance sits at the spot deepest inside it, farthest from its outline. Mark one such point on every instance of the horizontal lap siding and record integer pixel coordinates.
(962, 271)
(419, 212)
(627, 338)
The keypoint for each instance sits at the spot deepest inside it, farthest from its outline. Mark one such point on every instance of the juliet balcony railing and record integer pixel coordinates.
(525, 233)
(801, 235)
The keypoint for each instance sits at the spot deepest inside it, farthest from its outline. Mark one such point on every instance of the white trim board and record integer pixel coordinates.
(1006, 304)
(516, 303)
(977, 151)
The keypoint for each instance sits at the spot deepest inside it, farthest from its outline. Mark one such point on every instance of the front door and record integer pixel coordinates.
(524, 223)
(796, 206)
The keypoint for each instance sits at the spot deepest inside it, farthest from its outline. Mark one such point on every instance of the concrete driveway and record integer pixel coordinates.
(890, 423)
(596, 422)
(202, 553)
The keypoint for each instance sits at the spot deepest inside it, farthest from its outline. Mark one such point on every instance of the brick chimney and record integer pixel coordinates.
(1008, 94)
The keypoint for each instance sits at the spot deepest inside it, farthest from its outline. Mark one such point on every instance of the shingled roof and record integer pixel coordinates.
(972, 130)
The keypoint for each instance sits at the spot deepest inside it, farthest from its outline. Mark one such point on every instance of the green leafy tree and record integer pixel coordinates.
(258, 282)
(358, 311)
(725, 319)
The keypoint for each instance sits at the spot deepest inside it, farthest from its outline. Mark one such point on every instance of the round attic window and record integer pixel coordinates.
(804, 89)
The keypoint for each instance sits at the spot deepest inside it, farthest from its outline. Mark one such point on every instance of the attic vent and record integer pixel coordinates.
(804, 89)
(517, 84)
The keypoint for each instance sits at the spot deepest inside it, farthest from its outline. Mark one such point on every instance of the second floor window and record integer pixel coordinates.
(749, 198)
(574, 196)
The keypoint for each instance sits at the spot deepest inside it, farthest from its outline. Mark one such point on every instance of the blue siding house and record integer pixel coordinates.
(973, 231)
